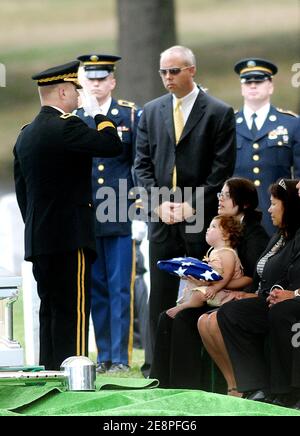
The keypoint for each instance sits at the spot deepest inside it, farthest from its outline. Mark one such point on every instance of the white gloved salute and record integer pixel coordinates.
(89, 101)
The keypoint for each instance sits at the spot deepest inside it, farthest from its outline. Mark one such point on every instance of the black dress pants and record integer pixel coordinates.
(285, 346)
(177, 358)
(63, 284)
(244, 327)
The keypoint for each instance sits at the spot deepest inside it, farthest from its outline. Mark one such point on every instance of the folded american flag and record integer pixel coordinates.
(189, 266)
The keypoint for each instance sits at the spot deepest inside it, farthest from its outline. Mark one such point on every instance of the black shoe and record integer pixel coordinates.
(296, 406)
(118, 367)
(283, 400)
(270, 398)
(256, 396)
(102, 367)
(145, 369)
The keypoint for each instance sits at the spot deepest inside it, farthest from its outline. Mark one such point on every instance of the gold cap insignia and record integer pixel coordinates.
(94, 58)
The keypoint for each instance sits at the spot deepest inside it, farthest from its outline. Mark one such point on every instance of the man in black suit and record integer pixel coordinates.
(185, 139)
(52, 168)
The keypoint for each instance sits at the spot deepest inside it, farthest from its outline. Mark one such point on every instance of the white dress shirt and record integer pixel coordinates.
(261, 113)
(187, 102)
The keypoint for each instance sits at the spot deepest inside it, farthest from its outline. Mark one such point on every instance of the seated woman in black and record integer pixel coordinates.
(247, 362)
(178, 348)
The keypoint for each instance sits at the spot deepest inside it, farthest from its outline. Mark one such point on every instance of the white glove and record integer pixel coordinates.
(139, 230)
(89, 101)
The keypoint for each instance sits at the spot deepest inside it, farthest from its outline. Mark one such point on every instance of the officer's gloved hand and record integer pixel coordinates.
(89, 101)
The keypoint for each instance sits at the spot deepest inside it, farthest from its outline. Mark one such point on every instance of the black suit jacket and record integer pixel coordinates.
(52, 169)
(282, 268)
(252, 244)
(204, 155)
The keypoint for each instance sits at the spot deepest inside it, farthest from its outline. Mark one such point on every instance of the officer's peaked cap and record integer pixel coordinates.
(62, 73)
(98, 66)
(255, 69)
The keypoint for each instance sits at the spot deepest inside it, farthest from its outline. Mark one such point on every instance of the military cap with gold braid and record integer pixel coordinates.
(98, 66)
(62, 73)
(255, 70)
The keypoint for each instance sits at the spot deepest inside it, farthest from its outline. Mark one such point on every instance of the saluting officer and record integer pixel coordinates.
(112, 273)
(52, 169)
(268, 138)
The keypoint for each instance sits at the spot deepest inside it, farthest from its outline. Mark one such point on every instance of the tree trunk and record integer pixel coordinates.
(146, 28)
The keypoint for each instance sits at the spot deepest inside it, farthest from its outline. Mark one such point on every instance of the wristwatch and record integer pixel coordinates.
(297, 293)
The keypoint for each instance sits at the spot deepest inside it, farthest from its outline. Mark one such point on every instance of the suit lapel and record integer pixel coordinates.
(167, 115)
(196, 114)
(114, 112)
(241, 126)
(268, 125)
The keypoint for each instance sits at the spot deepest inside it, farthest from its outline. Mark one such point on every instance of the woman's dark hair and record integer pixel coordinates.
(285, 190)
(243, 194)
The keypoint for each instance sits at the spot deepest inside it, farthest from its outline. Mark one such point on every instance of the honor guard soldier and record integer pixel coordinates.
(52, 170)
(268, 138)
(112, 277)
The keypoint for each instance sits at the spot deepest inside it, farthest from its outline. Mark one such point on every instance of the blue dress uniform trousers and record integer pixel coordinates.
(272, 154)
(112, 299)
(112, 290)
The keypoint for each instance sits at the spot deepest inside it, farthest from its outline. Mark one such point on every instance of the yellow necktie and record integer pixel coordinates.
(178, 120)
(178, 127)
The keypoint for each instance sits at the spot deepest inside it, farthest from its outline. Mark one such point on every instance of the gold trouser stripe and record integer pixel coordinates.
(83, 305)
(133, 274)
(105, 124)
(78, 302)
(174, 178)
(80, 334)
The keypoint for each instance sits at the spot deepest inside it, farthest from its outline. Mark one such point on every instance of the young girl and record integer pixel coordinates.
(223, 236)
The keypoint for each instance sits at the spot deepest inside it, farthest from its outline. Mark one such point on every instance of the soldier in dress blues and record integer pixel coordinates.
(268, 138)
(112, 273)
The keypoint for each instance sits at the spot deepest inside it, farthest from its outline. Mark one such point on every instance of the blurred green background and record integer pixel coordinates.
(37, 34)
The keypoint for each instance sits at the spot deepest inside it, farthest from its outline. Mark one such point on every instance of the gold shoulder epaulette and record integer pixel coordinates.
(283, 111)
(25, 125)
(126, 103)
(67, 115)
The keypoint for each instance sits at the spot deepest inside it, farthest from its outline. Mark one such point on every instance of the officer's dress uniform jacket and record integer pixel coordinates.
(273, 153)
(52, 169)
(112, 278)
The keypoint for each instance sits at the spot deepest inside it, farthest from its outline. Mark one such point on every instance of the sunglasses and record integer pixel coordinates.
(173, 71)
